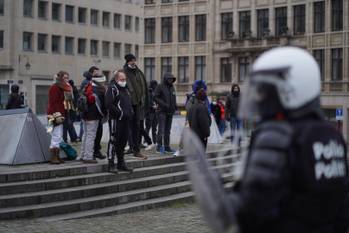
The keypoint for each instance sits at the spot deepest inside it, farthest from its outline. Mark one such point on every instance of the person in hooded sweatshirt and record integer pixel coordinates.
(137, 86)
(14, 99)
(151, 119)
(119, 106)
(165, 97)
(198, 117)
(231, 109)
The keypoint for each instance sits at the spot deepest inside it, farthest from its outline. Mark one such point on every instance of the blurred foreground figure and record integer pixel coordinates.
(296, 174)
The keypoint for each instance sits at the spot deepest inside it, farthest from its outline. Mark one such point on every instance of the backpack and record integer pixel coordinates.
(81, 103)
(69, 150)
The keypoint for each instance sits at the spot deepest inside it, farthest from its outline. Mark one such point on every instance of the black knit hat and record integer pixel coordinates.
(130, 57)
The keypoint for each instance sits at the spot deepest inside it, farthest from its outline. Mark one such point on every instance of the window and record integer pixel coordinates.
(56, 44)
(2, 7)
(183, 69)
(245, 24)
(337, 15)
(82, 14)
(226, 25)
(69, 45)
(183, 28)
(225, 70)
(244, 68)
(42, 42)
(200, 27)
(1, 39)
(106, 19)
(69, 14)
(319, 17)
(4, 90)
(280, 21)
(42, 9)
(299, 19)
(319, 56)
(117, 50)
(166, 65)
(200, 68)
(105, 48)
(56, 11)
(149, 30)
(262, 23)
(136, 50)
(149, 2)
(166, 1)
(94, 17)
(149, 68)
(337, 64)
(128, 22)
(28, 8)
(41, 99)
(166, 29)
(81, 46)
(94, 48)
(137, 24)
(117, 21)
(27, 41)
(128, 48)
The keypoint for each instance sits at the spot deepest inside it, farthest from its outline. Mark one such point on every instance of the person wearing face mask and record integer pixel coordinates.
(137, 85)
(119, 106)
(165, 97)
(231, 109)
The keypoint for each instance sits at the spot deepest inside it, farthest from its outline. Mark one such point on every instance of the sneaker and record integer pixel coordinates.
(139, 155)
(150, 146)
(99, 155)
(160, 150)
(142, 146)
(169, 151)
(124, 168)
(127, 147)
(177, 153)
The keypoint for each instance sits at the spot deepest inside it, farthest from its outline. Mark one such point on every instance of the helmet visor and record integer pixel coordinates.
(257, 92)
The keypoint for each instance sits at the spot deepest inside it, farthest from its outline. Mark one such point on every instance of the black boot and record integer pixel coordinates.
(122, 165)
(111, 166)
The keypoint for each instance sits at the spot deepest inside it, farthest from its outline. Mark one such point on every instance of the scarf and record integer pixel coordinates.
(68, 93)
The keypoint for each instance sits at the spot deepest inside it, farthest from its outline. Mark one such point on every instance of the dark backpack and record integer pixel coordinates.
(81, 103)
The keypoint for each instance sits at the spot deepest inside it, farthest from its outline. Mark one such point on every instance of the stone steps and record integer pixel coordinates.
(57, 194)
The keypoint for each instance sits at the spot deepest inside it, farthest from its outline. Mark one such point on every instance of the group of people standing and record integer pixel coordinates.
(131, 109)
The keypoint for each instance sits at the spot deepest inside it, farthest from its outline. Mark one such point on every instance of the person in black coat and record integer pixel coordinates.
(151, 120)
(165, 97)
(199, 119)
(119, 106)
(15, 100)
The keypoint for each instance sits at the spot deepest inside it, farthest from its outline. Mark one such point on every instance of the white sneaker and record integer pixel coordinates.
(177, 153)
(127, 147)
(150, 146)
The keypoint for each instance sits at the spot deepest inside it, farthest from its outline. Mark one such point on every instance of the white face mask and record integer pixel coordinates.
(132, 66)
(122, 83)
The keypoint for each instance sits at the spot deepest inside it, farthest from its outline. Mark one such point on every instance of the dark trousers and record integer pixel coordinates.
(165, 122)
(204, 142)
(119, 134)
(99, 134)
(135, 127)
(151, 122)
(68, 127)
(144, 134)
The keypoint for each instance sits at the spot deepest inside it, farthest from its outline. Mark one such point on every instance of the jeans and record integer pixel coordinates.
(97, 141)
(90, 130)
(235, 125)
(164, 131)
(68, 127)
(151, 122)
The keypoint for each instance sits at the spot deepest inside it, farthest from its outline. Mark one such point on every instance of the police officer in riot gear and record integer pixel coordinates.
(296, 173)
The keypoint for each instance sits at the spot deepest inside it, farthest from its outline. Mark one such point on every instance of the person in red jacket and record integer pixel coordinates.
(58, 101)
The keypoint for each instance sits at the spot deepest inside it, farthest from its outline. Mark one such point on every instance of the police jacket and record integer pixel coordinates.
(118, 102)
(295, 179)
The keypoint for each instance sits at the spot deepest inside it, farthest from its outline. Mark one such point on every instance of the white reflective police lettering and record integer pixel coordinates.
(331, 151)
(328, 151)
(333, 170)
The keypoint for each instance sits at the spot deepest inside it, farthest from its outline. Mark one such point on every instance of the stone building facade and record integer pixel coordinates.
(40, 37)
(237, 32)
